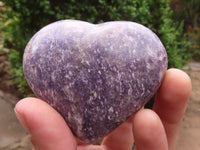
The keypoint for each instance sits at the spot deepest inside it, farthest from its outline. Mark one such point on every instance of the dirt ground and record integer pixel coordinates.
(12, 134)
(189, 138)
(14, 137)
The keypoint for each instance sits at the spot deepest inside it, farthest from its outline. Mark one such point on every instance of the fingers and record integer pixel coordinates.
(121, 138)
(171, 101)
(47, 128)
(148, 131)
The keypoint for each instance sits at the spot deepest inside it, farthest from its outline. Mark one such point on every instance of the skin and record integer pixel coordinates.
(150, 129)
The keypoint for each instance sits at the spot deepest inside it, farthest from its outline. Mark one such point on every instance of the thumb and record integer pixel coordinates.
(47, 128)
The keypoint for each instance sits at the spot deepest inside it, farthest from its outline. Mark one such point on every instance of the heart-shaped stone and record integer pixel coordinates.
(95, 76)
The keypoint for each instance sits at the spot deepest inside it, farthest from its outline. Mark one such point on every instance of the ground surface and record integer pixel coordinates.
(12, 134)
(14, 137)
(189, 138)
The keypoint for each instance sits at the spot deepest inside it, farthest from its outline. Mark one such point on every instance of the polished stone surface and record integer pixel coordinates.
(95, 76)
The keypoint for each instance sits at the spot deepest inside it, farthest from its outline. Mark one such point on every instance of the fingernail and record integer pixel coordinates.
(22, 120)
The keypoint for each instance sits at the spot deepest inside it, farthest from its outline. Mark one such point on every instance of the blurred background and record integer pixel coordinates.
(176, 22)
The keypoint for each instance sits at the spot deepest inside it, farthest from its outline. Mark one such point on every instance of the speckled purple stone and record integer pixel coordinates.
(95, 76)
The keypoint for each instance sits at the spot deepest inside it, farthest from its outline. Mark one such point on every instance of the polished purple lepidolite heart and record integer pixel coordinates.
(95, 76)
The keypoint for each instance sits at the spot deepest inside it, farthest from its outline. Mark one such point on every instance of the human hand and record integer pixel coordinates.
(155, 129)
